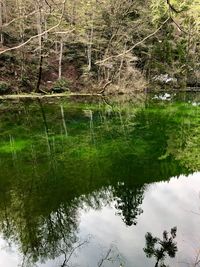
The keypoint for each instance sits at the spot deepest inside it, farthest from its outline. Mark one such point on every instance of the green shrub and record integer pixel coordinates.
(4, 88)
(61, 85)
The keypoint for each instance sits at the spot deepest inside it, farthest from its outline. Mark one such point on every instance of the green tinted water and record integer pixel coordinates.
(82, 182)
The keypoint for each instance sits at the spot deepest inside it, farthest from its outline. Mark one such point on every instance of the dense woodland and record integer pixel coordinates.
(94, 45)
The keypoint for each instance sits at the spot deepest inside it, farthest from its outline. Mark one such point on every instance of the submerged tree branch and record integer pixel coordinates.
(66, 260)
(105, 258)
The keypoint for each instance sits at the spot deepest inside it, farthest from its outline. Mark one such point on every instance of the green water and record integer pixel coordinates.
(82, 181)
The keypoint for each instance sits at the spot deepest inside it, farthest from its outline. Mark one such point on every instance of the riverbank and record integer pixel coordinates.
(58, 95)
(40, 96)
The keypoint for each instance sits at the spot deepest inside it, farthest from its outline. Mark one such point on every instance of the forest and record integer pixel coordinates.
(98, 46)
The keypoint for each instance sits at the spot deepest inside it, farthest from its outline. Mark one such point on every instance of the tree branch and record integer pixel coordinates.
(178, 26)
(21, 17)
(37, 35)
(138, 43)
(173, 8)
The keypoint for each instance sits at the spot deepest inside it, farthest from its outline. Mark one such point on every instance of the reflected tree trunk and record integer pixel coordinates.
(63, 120)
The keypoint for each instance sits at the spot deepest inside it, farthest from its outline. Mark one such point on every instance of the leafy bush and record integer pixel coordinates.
(61, 85)
(4, 88)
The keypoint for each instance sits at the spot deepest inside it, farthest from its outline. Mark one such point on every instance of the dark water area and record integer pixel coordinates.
(83, 182)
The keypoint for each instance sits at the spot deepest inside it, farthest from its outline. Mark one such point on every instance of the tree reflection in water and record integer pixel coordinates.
(129, 201)
(47, 176)
(160, 248)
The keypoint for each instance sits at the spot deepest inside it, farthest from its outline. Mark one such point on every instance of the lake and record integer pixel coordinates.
(97, 182)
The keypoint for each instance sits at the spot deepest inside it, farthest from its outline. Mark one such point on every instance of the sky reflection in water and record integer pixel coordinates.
(166, 204)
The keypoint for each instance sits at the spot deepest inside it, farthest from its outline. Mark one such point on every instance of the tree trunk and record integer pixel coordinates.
(60, 60)
(39, 74)
(1, 24)
(39, 30)
(89, 49)
(21, 13)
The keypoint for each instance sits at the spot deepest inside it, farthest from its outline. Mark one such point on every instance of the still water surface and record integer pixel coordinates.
(83, 182)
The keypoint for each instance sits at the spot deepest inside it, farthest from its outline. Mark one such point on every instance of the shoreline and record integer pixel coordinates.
(44, 96)
(41, 96)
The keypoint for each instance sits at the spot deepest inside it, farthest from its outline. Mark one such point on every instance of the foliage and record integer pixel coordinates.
(61, 84)
(4, 87)
(177, 43)
(160, 248)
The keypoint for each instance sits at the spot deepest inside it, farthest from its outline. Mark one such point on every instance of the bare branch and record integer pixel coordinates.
(138, 43)
(173, 8)
(178, 26)
(38, 35)
(64, 32)
(15, 19)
